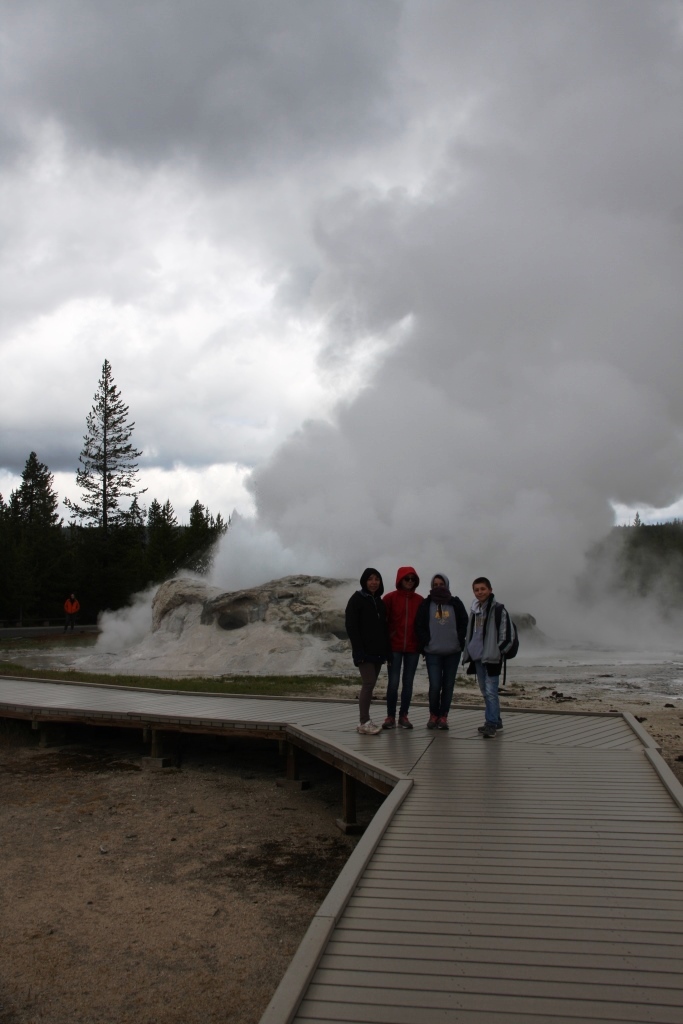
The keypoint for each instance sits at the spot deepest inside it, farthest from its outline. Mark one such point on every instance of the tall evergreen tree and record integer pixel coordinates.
(107, 476)
(108, 470)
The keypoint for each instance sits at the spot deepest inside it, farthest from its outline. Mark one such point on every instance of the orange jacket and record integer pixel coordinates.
(71, 607)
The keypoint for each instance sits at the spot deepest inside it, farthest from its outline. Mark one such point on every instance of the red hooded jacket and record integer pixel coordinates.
(402, 608)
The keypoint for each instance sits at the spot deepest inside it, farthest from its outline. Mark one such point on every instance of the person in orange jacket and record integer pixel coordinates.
(402, 605)
(71, 610)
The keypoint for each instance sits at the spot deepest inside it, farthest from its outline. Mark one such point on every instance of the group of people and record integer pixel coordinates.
(399, 627)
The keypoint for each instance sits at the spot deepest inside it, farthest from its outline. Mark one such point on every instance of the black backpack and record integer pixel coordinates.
(513, 647)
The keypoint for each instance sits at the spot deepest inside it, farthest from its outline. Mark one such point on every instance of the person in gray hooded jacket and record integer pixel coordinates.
(440, 626)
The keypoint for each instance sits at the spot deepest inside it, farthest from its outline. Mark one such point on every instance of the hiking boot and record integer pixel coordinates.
(404, 723)
(389, 722)
(368, 728)
(442, 723)
(431, 724)
(489, 731)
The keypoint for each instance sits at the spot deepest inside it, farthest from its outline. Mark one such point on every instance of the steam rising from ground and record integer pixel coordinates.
(538, 267)
(126, 627)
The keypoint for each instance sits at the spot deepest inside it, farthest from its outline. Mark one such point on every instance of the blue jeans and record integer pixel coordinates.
(489, 691)
(441, 670)
(409, 660)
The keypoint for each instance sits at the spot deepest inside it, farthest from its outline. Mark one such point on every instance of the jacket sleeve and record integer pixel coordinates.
(387, 601)
(387, 632)
(469, 630)
(504, 628)
(352, 623)
(422, 625)
(461, 621)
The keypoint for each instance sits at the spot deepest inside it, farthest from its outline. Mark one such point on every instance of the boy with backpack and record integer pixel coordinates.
(491, 638)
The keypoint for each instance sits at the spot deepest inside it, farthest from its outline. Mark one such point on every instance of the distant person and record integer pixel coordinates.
(71, 610)
(402, 605)
(489, 636)
(441, 625)
(366, 626)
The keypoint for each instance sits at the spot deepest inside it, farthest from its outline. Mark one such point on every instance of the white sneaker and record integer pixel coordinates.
(368, 728)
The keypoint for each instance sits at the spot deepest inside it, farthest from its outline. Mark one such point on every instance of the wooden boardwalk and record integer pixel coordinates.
(533, 878)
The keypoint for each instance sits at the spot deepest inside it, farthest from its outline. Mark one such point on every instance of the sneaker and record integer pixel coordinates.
(442, 723)
(489, 731)
(404, 723)
(482, 729)
(389, 722)
(431, 724)
(368, 728)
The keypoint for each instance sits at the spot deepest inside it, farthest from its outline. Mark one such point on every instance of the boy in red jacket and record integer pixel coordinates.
(402, 605)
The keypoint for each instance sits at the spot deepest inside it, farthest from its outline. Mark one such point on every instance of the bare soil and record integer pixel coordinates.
(156, 897)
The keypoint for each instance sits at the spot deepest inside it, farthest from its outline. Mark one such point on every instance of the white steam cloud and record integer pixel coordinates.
(538, 267)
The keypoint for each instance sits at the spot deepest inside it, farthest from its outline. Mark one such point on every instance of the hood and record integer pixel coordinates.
(406, 570)
(364, 580)
(444, 577)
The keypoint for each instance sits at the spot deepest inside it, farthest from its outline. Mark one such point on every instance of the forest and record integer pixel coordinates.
(113, 547)
(638, 561)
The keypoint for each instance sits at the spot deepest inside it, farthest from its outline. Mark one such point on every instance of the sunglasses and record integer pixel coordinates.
(410, 579)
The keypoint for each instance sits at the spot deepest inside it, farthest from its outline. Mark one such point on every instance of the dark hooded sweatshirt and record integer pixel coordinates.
(366, 623)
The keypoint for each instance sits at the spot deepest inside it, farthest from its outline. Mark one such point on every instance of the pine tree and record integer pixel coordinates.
(35, 502)
(201, 536)
(108, 471)
(36, 547)
(637, 521)
(163, 541)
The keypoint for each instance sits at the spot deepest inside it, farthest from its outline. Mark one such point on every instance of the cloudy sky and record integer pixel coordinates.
(400, 278)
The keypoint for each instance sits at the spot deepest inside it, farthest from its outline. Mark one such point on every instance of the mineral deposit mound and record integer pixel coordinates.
(290, 626)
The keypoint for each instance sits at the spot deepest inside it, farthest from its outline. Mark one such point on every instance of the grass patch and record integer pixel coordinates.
(39, 643)
(268, 686)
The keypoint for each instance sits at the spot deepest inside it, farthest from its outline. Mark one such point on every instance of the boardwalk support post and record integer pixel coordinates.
(160, 756)
(291, 778)
(52, 734)
(348, 823)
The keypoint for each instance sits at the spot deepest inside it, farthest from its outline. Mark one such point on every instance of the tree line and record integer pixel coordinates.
(641, 561)
(113, 546)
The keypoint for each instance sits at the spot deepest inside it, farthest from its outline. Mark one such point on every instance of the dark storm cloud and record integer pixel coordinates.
(247, 82)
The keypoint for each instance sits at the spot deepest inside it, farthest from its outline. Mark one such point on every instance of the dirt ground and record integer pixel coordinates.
(180, 896)
(156, 897)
